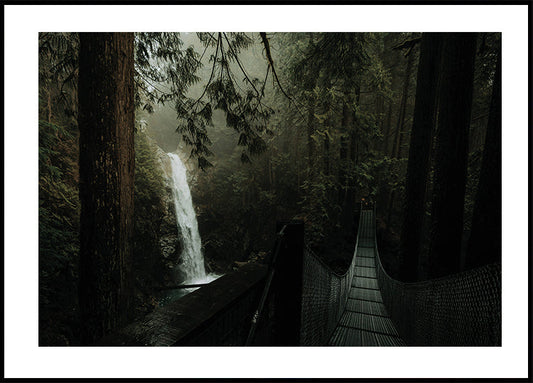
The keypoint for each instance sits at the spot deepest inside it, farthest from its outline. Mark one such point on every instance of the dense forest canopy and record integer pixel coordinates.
(272, 126)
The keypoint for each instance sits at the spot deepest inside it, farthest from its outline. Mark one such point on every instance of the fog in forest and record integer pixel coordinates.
(307, 127)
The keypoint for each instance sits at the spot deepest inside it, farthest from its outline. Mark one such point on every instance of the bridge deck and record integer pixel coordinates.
(365, 321)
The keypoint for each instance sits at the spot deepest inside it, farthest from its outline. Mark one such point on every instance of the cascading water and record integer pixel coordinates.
(191, 256)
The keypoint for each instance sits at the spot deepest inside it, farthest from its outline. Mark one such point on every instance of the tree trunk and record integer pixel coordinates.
(354, 153)
(310, 132)
(270, 175)
(455, 104)
(485, 242)
(346, 165)
(349, 118)
(326, 154)
(396, 148)
(326, 109)
(311, 124)
(106, 124)
(297, 159)
(419, 149)
(403, 107)
(386, 133)
(49, 118)
(343, 155)
(388, 42)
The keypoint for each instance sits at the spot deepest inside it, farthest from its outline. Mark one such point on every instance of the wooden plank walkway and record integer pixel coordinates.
(365, 321)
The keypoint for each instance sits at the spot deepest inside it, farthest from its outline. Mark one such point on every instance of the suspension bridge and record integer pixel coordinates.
(299, 301)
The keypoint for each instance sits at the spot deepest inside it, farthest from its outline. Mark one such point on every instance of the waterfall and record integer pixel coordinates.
(191, 256)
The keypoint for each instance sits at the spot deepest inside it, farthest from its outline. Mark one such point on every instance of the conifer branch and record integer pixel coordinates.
(266, 44)
(240, 66)
(210, 77)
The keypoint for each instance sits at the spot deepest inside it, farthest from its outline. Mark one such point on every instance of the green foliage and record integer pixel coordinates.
(59, 210)
(319, 209)
(58, 77)
(163, 69)
(165, 72)
(59, 205)
(239, 204)
(335, 55)
(149, 185)
(149, 194)
(329, 73)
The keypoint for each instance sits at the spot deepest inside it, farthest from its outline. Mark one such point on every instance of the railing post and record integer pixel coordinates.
(288, 281)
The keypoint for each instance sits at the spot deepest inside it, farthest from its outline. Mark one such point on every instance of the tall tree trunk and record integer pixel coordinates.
(297, 159)
(106, 123)
(270, 176)
(351, 125)
(388, 42)
(419, 150)
(455, 104)
(396, 148)
(346, 165)
(386, 132)
(311, 127)
(311, 119)
(326, 109)
(326, 153)
(379, 105)
(49, 104)
(343, 151)
(403, 108)
(354, 153)
(485, 242)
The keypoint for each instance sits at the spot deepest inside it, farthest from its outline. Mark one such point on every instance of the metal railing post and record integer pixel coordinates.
(288, 284)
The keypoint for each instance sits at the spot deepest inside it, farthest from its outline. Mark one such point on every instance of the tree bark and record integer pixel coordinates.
(419, 150)
(389, 63)
(343, 163)
(311, 120)
(403, 107)
(343, 155)
(310, 131)
(326, 109)
(354, 153)
(326, 152)
(485, 242)
(386, 133)
(350, 123)
(396, 148)
(49, 99)
(455, 104)
(106, 124)
(346, 194)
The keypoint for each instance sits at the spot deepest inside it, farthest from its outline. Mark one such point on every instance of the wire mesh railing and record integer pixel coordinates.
(463, 309)
(324, 297)
(458, 310)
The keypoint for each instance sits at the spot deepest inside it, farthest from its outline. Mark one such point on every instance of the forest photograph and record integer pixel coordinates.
(166, 160)
(271, 190)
